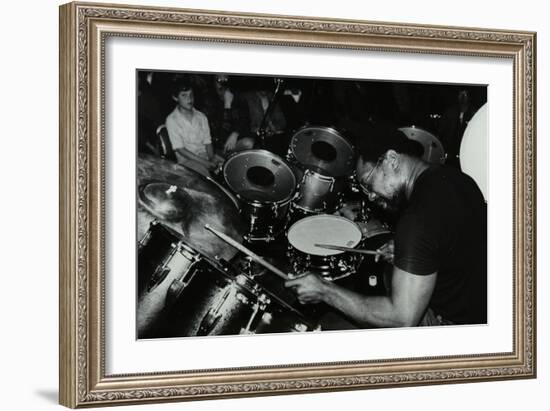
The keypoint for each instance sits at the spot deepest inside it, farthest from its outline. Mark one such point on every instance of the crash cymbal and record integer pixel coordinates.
(185, 201)
(165, 201)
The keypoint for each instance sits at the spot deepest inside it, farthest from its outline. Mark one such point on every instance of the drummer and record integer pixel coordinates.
(439, 253)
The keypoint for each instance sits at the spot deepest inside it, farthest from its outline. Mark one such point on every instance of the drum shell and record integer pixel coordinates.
(202, 297)
(433, 149)
(212, 303)
(191, 284)
(265, 221)
(302, 151)
(318, 193)
(330, 267)
(215, 304)
(155, 249)
(263, 207)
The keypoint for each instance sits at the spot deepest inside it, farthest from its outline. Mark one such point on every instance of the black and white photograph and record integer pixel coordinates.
(261, 203)
(275, 204)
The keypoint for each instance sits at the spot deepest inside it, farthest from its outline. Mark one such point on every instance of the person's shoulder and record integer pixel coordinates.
(440, 175)
(248, 95)
(200, 115)
(172, 117)
(440, 187)
(432, 188)
(447, 174)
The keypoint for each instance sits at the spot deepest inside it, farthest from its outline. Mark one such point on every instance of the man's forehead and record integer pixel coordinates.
(363, 167)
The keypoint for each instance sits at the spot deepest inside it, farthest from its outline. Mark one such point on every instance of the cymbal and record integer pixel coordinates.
(167, 202)
(185, 201)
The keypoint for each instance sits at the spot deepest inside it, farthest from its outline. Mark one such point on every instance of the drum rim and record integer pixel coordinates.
(324, 177)
(321, 127)
(334, 253)
(331, 129)
(418, 128)
(260, 202)
(435, 138)
(181, 239)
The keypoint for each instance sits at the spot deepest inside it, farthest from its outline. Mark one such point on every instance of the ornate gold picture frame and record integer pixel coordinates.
(85, 29)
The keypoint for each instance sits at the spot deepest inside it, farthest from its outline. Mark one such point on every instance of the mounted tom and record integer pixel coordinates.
(324, 160)
(264, 185)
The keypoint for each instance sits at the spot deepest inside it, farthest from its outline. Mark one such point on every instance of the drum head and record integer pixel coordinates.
(474, 148)
(323, 229)
(433, 149)
(324, 150)
(258, 175)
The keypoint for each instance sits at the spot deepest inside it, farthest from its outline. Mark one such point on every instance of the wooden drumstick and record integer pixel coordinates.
(251, 254)
(349, 249)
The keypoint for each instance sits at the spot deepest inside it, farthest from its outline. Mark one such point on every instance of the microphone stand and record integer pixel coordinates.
(262, 130)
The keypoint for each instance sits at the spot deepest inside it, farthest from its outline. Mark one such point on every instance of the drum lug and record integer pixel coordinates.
(300, 327)
(267, 318)
(242, 298)
(213, 316)
(343, 266)
(158, 277)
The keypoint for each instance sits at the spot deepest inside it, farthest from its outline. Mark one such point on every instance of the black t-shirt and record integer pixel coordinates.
(444, 229)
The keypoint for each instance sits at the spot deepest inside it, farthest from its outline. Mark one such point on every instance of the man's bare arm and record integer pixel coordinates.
(405, 306)
(192, 156)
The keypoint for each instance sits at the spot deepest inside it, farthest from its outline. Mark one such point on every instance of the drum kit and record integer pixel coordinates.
(433, 149)
(192, 229)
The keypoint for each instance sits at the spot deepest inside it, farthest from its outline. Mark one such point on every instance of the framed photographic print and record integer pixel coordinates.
(259, 204)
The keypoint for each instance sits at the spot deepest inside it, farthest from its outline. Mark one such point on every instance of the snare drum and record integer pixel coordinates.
(184, 293)
(264, 184)
(323, 229)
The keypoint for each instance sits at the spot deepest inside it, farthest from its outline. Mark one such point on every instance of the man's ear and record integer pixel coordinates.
(393, 158)
(175, 98)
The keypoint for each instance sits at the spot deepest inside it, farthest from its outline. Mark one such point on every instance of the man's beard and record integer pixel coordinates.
(391, 207)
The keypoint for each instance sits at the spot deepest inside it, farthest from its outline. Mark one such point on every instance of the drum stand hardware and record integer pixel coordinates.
(248, 252)
(178, 285)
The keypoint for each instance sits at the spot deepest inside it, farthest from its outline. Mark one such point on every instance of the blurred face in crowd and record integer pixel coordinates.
(463, 99)
(221, 83)
(381, 182)
(185, 99)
